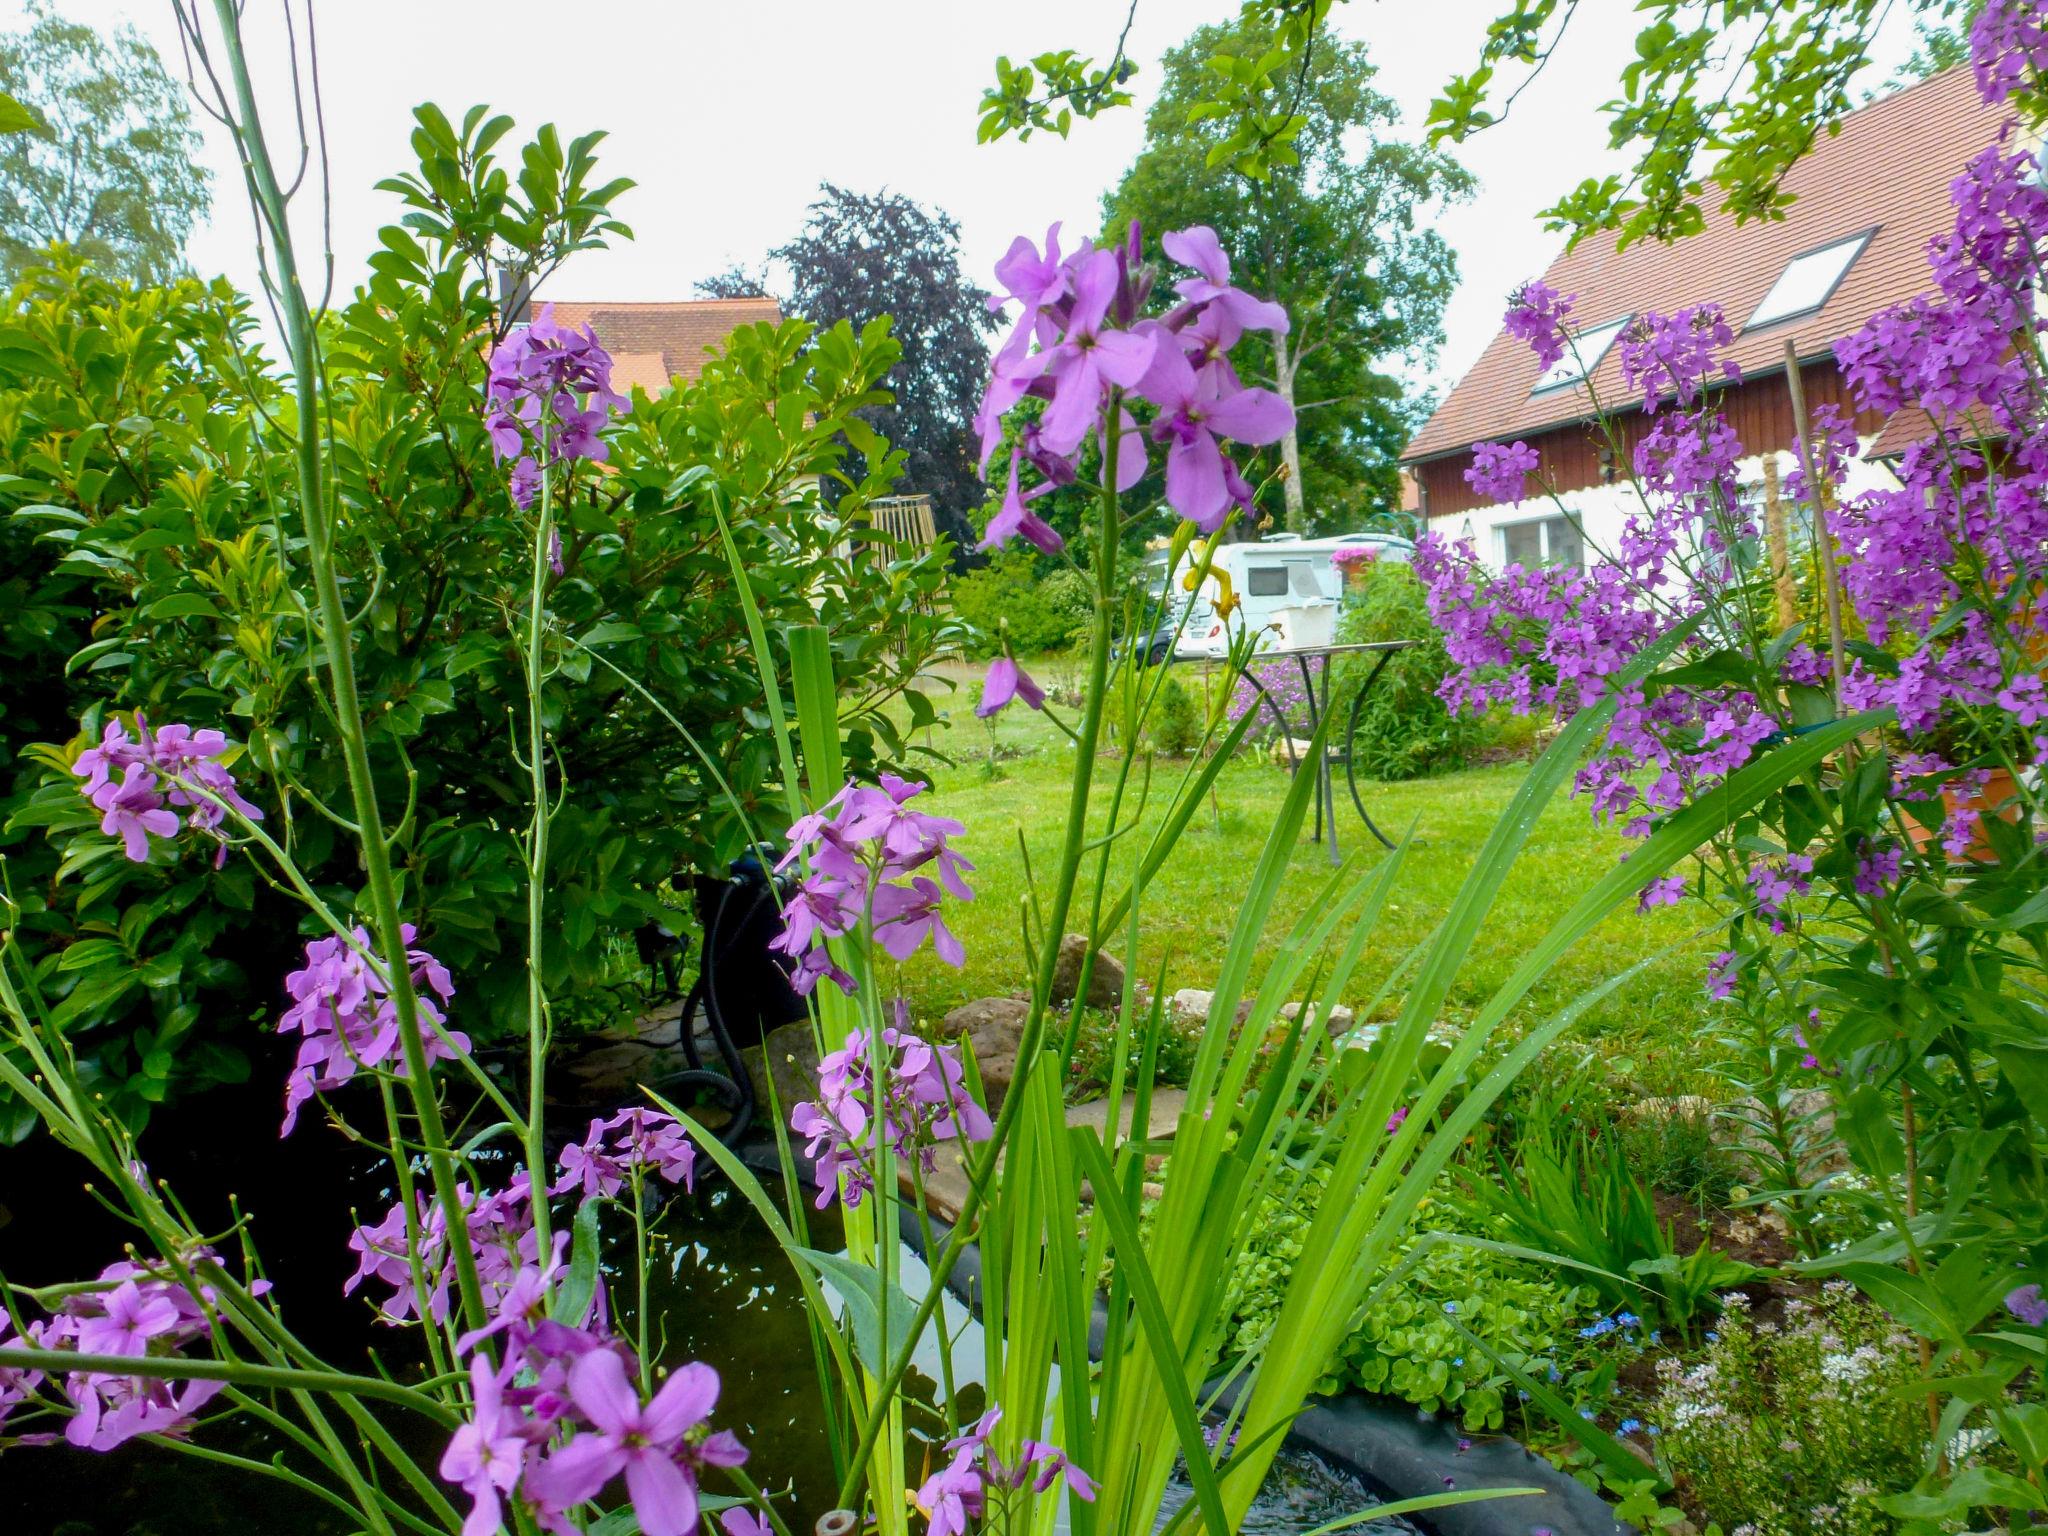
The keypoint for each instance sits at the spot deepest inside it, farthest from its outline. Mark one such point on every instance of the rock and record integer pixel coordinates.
(1105, 981)
(1684, 1106)
(1340, 1017)
(994, 1026)
(790, 1054)
(1190, 1004)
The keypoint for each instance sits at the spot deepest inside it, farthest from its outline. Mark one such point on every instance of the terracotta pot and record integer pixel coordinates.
(1996, 798)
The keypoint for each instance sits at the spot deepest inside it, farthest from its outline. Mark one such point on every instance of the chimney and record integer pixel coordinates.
(515, 296)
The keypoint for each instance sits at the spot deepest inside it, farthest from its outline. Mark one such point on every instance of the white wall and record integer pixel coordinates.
(1601, 510)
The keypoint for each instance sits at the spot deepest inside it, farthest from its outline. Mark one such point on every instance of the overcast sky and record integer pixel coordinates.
(729, 115)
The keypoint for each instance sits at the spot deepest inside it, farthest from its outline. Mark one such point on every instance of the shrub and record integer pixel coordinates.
(144, 570)
(1405, 730)
(1793, 1429)
(1176, 723)
(1009, 595)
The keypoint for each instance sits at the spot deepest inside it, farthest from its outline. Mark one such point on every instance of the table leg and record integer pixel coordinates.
(1351, 748)
(1326, 789)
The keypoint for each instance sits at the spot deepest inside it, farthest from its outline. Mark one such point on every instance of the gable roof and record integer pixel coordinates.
(1888, 172)
(653, 342)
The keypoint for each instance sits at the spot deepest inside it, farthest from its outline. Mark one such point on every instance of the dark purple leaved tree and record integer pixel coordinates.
(860, 255)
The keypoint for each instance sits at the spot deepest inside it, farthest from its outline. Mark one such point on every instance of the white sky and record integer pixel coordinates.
(729, 115)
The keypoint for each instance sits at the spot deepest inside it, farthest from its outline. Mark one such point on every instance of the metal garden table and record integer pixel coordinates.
(1326, 797)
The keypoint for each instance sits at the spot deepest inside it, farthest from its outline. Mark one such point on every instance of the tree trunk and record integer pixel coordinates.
(1285, 364)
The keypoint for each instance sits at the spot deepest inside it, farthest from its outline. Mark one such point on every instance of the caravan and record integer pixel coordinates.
(1287, 590)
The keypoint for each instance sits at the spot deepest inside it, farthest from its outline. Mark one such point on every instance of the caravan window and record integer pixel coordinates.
(1301, 579)
(1265, 581)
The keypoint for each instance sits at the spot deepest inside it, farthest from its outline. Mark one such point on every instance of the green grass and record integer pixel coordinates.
(1014, 779)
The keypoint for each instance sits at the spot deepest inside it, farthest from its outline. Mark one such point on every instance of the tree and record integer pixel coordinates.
(861, 256)
(114, 169)
(738, 281)
(1336, 236)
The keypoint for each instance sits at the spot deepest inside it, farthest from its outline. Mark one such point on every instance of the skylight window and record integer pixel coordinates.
(1581, 357)
(1808, 281)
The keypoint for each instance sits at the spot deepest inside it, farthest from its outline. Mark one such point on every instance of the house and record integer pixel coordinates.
(654, 343)
(1868, 201)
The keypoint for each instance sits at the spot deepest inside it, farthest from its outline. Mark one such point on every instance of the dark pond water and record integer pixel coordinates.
(720, 1291)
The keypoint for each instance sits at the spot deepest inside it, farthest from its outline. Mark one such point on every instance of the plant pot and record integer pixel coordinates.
(1999, 797)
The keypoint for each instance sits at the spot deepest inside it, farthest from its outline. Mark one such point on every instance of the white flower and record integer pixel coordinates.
(1851, 1367)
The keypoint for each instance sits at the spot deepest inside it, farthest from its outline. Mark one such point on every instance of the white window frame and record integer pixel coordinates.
(1856, 244)
(1567, 370)
(1543, 525)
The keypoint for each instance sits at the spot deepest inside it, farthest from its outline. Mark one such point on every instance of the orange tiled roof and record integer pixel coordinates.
(1888, 169)
(654, 342)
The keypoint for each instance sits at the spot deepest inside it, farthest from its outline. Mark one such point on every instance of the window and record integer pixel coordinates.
(1301, 579)
(1582, 356)
(1543, 541)
(1265, 581)
(1808, 281)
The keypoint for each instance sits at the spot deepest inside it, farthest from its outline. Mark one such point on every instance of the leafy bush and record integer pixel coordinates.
(142, 447)
(1405, 730)
(1095, 1054)
(1009, 596)
(1405, 1344)
(1795, 1429)
(1176, 723)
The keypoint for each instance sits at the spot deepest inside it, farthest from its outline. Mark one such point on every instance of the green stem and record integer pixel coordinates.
(1028, 1045)
(334, 626)
(171, 1368)
(536, 865)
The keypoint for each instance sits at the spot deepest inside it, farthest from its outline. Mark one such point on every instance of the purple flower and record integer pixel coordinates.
(2027, 1304)
(1667, 892)
(486, 1455)
(905, 916)
(1536, 314)
(1501, 473)
(129, 1319)
(648, 1442)
(738, 1521)
(1014, 518)
(1193, 408)
(2008, 48)
(549, 395)
(913, 1097)
(952, 1496)
(1675, 353)
(134, 811)
(1397, 1119)
(646, 1139)
(1006, 681)
(1721, 975)
(1199, 248)
(1091, 355)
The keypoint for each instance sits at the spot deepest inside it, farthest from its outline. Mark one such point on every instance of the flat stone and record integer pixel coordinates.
(1340, 1017)
(1105, 980)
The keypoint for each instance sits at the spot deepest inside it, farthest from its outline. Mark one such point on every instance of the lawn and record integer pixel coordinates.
(1013, 780)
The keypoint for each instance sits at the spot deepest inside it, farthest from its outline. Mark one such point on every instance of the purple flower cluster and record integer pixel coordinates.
(135, 1311)
(958, 1492)
(1674, 355)
(1080, 342)
(497, 1227)
(343, 1011)
(132, 780)
(608, 1156)
(910, 1095)
(1536, 316)
(562, 1415)
(2027, 1304)
(2009, 48)
(550, 394)
(863, 853)
(1501, 474)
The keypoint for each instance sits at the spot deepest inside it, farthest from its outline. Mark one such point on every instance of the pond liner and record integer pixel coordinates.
(1394, 1448)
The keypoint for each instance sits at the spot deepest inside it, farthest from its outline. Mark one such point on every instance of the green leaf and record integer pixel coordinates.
(90, 952)
(182, 605)
(861, 1289)
(579, 1285)
(610, 631)
(1978, 1485)
(16, 117)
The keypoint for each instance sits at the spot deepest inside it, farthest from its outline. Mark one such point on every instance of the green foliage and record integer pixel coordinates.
(1405, 1344)
(1094, 1057)
(1177, 719)
(1340, 235)
(1681, 109)
(98, 152)
(1405, 730)
(1014, 598)
(1796, 1428)
(141, 455)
